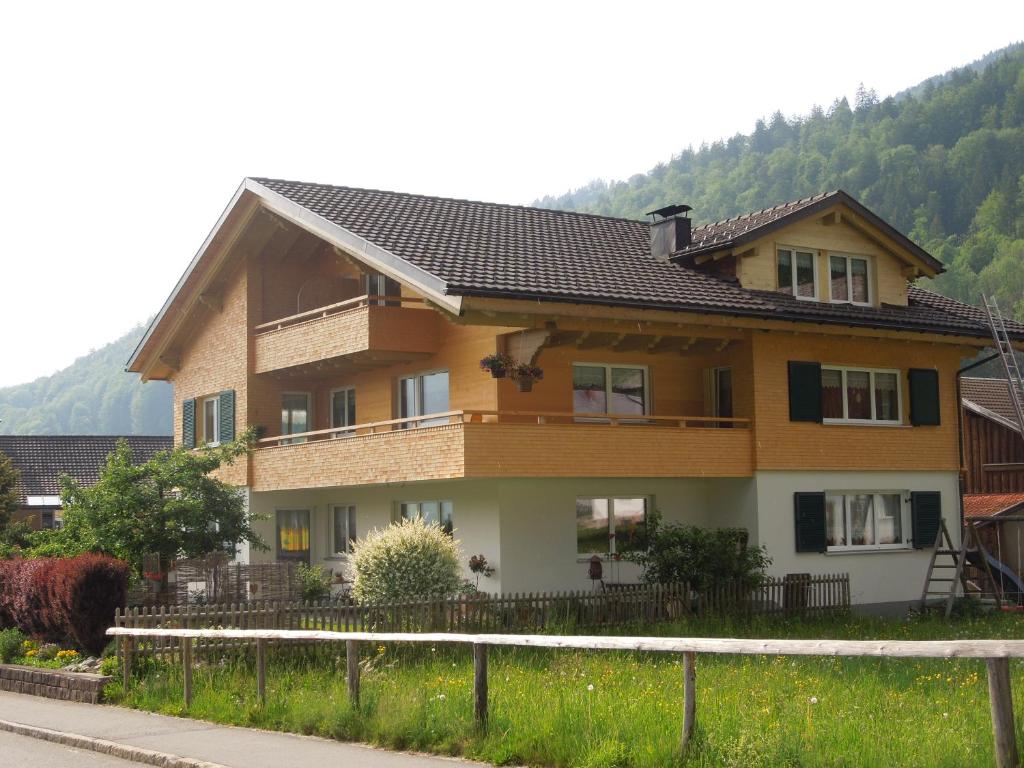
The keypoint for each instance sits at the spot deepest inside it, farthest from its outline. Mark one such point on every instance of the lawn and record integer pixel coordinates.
(610, 710)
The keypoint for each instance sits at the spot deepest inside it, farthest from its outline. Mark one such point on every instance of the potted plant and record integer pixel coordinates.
(525, 374)
(498, 364)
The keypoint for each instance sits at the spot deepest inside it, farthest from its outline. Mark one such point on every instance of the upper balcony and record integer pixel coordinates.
(459, 444)
(368, 330)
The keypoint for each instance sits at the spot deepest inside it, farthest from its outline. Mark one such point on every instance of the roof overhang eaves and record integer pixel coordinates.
(374, 255)
(984, 412)
(722, 311)
(836, 198)
(361, 248)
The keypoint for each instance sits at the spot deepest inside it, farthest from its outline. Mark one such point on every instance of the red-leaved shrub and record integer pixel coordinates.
(66, 598)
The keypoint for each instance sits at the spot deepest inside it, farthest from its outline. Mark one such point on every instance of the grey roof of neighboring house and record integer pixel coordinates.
(990, 398)
(42, 459)
(499, 250)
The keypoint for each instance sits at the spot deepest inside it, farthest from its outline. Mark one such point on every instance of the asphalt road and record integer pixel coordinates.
(26, 752)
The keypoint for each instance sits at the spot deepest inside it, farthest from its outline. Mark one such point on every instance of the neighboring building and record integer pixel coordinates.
(993, 445)
(774, 371)
(42, 459)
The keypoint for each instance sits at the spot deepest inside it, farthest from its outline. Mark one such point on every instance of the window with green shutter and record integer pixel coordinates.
(926, 517)
(226, 416)
(809, 514)
(188, 423)
(804, 391)
(924, 397)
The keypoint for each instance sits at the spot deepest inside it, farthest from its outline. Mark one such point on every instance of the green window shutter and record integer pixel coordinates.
(926, 517)
(924, 397)
(188, 423)
(226, 409)
(804, 391)
(809, 512)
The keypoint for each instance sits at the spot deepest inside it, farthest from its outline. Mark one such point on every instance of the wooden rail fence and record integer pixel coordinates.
(996, 654)
(795, 595)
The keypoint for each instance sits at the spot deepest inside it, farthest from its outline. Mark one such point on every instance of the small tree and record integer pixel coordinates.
(9, 496)
(170, 505)
(701, 557)
(409, 560)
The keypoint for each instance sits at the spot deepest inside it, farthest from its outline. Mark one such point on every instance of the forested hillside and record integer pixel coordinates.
(92, 396)
(943, 162)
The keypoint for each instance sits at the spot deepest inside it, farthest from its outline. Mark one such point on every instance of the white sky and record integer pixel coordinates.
(126, 127)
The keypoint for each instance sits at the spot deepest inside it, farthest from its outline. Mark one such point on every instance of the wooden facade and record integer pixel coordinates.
(988, 444)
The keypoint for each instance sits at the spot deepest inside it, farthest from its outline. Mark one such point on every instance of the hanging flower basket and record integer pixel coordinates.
(498, 365)
(525, 374)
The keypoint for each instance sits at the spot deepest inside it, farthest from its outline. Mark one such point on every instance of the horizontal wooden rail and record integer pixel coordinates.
(333, 309)
(495, 417)
(995, 652)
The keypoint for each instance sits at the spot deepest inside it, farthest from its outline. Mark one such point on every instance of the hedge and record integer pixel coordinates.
(63, 598)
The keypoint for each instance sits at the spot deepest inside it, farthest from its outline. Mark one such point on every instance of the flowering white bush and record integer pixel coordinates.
(408, 560)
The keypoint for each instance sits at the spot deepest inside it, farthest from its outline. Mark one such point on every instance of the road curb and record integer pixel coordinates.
(138, 754)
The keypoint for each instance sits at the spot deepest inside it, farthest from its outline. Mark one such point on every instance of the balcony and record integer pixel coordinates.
(367, 330)
(460, 444)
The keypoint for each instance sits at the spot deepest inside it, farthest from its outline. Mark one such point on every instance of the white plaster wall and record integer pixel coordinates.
(875, 577)
(538, 523)
(475, 517)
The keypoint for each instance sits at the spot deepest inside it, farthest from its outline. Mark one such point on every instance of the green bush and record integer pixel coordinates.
(409, 560)
(671, 553)
(314, 582)
(10, 644)
(47, 651)
(109, 666)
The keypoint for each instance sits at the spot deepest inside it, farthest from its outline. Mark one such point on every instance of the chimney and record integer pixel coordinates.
(670, 230)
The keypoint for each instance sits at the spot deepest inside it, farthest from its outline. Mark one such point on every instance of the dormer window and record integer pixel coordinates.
(798, 273)
(849, 280)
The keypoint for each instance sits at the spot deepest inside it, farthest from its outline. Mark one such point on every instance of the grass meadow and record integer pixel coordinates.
(616, 710)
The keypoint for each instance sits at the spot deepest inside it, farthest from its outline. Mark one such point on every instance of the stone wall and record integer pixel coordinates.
(53, 683)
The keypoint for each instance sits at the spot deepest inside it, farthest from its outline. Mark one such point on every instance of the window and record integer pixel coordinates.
(616, 389)
(798, 273)
(865, 519)
(343, 528)
(849, 279)
(343, 410)
(605, 526)
(295, 415)
(210, 434)
(857, 395)
(293, 534)
(440, 512)
(421, 395)
(379, 285)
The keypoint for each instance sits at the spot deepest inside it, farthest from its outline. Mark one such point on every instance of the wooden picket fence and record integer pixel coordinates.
(793, 595)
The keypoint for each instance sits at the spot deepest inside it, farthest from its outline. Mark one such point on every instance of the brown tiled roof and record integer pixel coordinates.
(42, 459)
(494, 249)
(989, 504)
(992, 395)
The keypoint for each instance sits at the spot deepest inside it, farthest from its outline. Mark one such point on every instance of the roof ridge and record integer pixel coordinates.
(750, 214)
(262, 179)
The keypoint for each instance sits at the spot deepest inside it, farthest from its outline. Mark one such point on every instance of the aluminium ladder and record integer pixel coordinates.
(1009, 358)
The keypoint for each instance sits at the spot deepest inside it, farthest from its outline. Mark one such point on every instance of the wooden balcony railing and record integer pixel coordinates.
(334, 309)
(583, 420)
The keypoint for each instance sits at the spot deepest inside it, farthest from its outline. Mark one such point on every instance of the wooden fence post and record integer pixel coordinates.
(126, 662)
(1000, 698)
(480, 683)
(352, 663)
(689, 697)
(186, 668)
(261, 669)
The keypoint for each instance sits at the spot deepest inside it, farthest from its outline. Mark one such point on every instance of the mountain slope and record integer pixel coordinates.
(944, 163)
(92, 396)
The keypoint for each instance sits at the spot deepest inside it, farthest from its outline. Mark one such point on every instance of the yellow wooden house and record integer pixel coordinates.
(784, 371)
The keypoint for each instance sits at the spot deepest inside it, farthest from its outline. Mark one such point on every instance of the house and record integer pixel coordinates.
(42, 459)
(777, 371)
